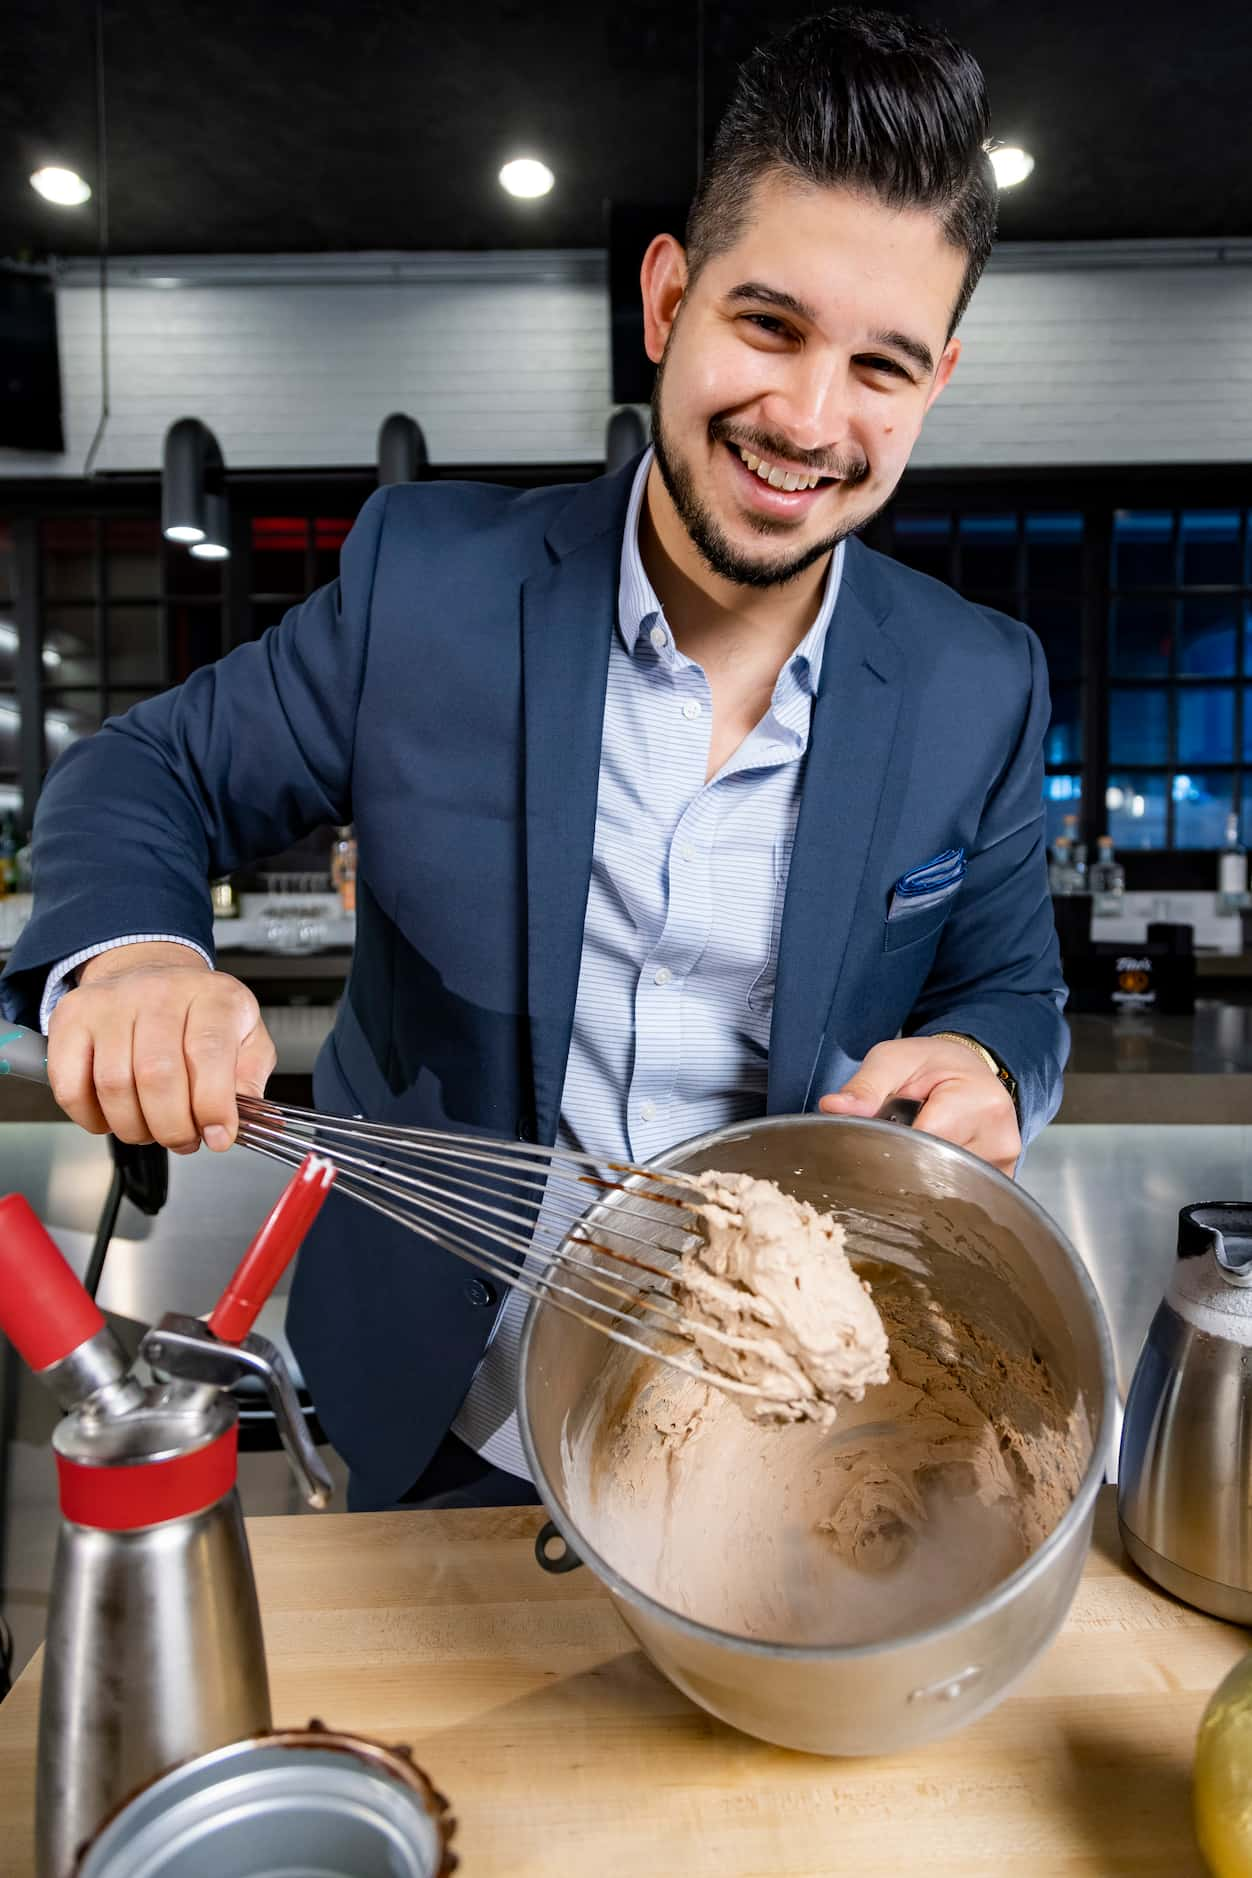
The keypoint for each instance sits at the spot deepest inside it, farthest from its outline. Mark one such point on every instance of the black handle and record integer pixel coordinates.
(567, 1560)
(899, 1109)
(1220, 1226)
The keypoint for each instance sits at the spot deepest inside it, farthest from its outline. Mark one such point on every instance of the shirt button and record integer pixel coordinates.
(648, 1111)
(691, 708)
(659, 638)
(686, 853)
(662, 976)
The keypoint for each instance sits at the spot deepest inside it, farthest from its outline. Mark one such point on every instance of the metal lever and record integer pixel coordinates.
(187, 1351)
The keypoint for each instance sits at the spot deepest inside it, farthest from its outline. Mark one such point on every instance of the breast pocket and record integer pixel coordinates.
(908, 924)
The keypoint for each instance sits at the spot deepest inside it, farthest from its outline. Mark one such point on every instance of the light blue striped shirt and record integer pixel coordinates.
(680, 944)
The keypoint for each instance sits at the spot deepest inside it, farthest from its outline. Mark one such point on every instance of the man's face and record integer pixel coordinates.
(814, 346)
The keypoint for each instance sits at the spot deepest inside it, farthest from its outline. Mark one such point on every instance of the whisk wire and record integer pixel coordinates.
(483, 1200)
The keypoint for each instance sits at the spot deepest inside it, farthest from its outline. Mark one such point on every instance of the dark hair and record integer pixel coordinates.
(859, 100)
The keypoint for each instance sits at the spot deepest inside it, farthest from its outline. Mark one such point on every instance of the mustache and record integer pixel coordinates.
(850, 470)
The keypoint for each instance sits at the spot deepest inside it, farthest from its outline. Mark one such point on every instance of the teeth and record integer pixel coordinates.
(775, 477)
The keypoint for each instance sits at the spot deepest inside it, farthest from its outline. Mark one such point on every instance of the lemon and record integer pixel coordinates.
(1223, 1776)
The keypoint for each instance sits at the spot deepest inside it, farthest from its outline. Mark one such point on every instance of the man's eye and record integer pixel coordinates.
(766, 323)
(886, 365)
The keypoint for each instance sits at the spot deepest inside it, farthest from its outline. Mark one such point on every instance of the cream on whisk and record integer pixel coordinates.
(775, 1303)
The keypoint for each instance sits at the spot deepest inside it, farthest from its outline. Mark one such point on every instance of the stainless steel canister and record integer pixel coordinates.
(308, 1800)
(891, 1184)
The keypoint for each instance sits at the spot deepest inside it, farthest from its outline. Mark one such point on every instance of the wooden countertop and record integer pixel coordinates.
(564, 1751)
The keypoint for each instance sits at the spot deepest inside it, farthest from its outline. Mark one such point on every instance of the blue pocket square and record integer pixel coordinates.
(924, 886)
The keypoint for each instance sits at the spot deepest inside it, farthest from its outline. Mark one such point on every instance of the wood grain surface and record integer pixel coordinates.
(564, 1751)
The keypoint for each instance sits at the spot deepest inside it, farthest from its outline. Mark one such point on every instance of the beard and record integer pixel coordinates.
(708, 537)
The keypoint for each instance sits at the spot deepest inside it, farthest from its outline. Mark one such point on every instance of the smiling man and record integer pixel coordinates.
(675, 803)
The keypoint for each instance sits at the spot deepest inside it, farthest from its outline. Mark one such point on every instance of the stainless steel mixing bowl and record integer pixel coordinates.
(893, 1185)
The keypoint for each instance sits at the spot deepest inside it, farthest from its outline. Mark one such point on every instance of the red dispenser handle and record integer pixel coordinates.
(267, 1258)
(44, 1310)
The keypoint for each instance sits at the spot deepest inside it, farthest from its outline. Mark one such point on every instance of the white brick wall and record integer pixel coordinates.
(1092, 354)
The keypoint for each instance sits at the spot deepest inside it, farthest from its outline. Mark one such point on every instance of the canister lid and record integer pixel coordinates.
(308, 1800)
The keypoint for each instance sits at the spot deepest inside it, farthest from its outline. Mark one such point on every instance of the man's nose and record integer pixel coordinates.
(812, 403)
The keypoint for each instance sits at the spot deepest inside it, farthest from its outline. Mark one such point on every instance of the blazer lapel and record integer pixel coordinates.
(849, 755)
(569, 611)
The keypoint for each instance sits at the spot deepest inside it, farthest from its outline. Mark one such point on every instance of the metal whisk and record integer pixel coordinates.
(479, 1197)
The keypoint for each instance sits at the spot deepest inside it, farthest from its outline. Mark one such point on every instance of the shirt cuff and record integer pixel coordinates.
(58, 978)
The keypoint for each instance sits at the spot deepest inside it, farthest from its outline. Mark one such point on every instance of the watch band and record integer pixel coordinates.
(992, 1061)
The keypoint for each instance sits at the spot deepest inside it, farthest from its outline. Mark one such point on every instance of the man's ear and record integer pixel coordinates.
(662, 283)
(947, 365)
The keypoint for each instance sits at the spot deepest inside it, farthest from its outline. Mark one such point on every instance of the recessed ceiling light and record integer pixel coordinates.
(526, 176)
(64, 187)
(184, 531)
(210, 551)
(1011, 165)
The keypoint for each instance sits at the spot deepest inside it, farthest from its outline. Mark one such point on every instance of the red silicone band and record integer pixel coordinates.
(148, 1493)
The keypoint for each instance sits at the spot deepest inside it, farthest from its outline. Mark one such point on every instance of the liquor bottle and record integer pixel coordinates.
(8, 855)
(1232, 870)
(343, 867)
(1108, 879)
(1061, 866)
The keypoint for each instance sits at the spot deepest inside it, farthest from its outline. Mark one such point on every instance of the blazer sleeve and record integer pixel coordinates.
(997, 974)
(238, 763)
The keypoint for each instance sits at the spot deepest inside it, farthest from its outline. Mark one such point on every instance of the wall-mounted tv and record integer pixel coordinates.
(30, 372)
(631, 226)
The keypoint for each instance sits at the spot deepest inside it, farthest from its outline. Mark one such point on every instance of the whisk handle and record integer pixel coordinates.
(23, 1053)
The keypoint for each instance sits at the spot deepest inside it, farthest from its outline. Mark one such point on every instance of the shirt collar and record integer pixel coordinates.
(637, 603)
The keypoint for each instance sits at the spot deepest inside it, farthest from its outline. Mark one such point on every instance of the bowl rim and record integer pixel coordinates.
(1009, 1589)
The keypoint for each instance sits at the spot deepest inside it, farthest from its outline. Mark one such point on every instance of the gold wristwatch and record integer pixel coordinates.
(992, 1061)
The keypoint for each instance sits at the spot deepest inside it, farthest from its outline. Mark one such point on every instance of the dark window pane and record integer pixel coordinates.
(69, 559)
(186, 573)
(68, 715)
(1210, 547)
(1136, 810)
(1063, 743)
(1057, 618)
(121, 701)
(921, 537)
(1143, 548)
(132, 552)
(1208, 635)
(195, 630)
(999, 599)
(8, 566)
(1142, 636)
(1206, 724)
(329, 534)
(278, 554)
(135, 644)
(267, 613)
(1201, 806)
(1062, 796)
(70, 645)
(1054, 550)
(1138, 726)
(988, 551)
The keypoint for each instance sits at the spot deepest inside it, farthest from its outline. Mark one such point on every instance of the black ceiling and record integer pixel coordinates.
(262, 126)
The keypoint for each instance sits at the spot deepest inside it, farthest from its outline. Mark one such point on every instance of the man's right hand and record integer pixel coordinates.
(154, 1046)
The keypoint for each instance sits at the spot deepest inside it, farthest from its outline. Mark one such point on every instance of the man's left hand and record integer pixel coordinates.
(963, 1101)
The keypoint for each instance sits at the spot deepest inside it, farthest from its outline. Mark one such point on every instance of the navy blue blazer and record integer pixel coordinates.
(446, 693)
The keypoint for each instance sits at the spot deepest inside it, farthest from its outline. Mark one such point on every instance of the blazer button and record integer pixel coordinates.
(479, 1293)
(525, 1131)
